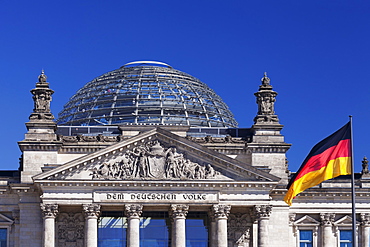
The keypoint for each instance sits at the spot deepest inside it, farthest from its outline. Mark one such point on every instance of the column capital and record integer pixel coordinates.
(49, 210)
(91, 210)
(179, 211)
(221, 211)
(327, 219)
(262, 211)
(365, 219)
(133, 210)
(15, 215)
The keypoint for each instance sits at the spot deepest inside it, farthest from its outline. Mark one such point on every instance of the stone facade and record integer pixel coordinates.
(68, 183)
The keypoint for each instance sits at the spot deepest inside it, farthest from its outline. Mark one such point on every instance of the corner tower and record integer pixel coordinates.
(268, 147)
(40, 145)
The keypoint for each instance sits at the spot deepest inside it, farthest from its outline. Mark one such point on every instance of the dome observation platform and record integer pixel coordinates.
(146, 92)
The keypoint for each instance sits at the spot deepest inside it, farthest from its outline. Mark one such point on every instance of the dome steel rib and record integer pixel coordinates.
(146, 92)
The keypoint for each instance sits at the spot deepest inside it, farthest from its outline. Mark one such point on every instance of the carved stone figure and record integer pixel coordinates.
(171, 163)
(365, 166)
(152, 161)
(265, 80)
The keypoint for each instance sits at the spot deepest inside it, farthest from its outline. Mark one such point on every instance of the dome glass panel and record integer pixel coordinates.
(146, 92)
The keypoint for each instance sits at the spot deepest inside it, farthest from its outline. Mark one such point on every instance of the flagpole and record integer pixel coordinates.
(354, 240)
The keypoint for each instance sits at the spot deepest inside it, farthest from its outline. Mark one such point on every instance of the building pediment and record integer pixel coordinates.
(156, 155)
(345, 220)
(306, 220)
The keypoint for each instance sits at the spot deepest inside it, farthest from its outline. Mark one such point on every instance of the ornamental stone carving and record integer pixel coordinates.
(133, 210)
(91, 210)
(49, 210)
(292, 218)
(221, 211)
(153, 161)
(15, 215)
(365, 167)
(238, 230)
(179, 211)
(265, 101)
(365, 219)
(226, 139)
(262, 211)
(42, 98)
(70, 228)
(327, 218)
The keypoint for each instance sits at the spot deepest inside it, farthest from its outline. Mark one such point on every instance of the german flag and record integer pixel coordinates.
(328, 159)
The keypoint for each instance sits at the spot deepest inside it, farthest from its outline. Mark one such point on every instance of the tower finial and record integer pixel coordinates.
(266, 101)
(265, 80)
(42, 98)
(42, 78)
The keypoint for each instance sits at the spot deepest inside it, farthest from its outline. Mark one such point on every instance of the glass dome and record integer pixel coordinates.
(146, 92)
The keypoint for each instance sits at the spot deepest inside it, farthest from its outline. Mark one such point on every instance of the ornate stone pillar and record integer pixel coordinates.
(212, 230)
(365, 223)
(178, 214)
(327, 220)
(92, 213)
(49, 212)
(262, 213)
(221, 212)
(133, 212)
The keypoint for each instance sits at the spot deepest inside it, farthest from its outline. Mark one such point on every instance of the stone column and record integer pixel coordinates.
(327, 220)
(133, 212)
(16, 215)
(212, 230)
(92, 213)
(365, 223)
(178, 214)
(49, 212)
(221, 212)
(262, 213)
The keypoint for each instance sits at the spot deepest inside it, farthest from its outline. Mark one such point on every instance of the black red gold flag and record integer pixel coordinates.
(328, 159)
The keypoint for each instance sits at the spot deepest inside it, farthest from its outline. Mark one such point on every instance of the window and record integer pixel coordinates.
(196, 229)
(3, 237)
(345, 238)
(305, 230)
(305, 238)
(155, 229)
(112, 230)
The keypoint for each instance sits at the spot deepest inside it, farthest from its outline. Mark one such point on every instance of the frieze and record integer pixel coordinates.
(87, 138)
(153, 161)
(155, 197)
(210, 139)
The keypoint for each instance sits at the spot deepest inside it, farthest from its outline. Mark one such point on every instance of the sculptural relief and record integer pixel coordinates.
(70, 228)
(152, 161)
(239, 227)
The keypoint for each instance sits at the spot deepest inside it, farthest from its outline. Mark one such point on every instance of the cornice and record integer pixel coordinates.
(39, 145)
(158, 184)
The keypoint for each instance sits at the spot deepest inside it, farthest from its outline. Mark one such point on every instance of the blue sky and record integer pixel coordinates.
(316, 54)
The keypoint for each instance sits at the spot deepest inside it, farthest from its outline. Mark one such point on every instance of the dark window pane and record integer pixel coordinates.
(155, 229)
(3, 237)
(197, 229)
(345, 238)
(112, 230)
